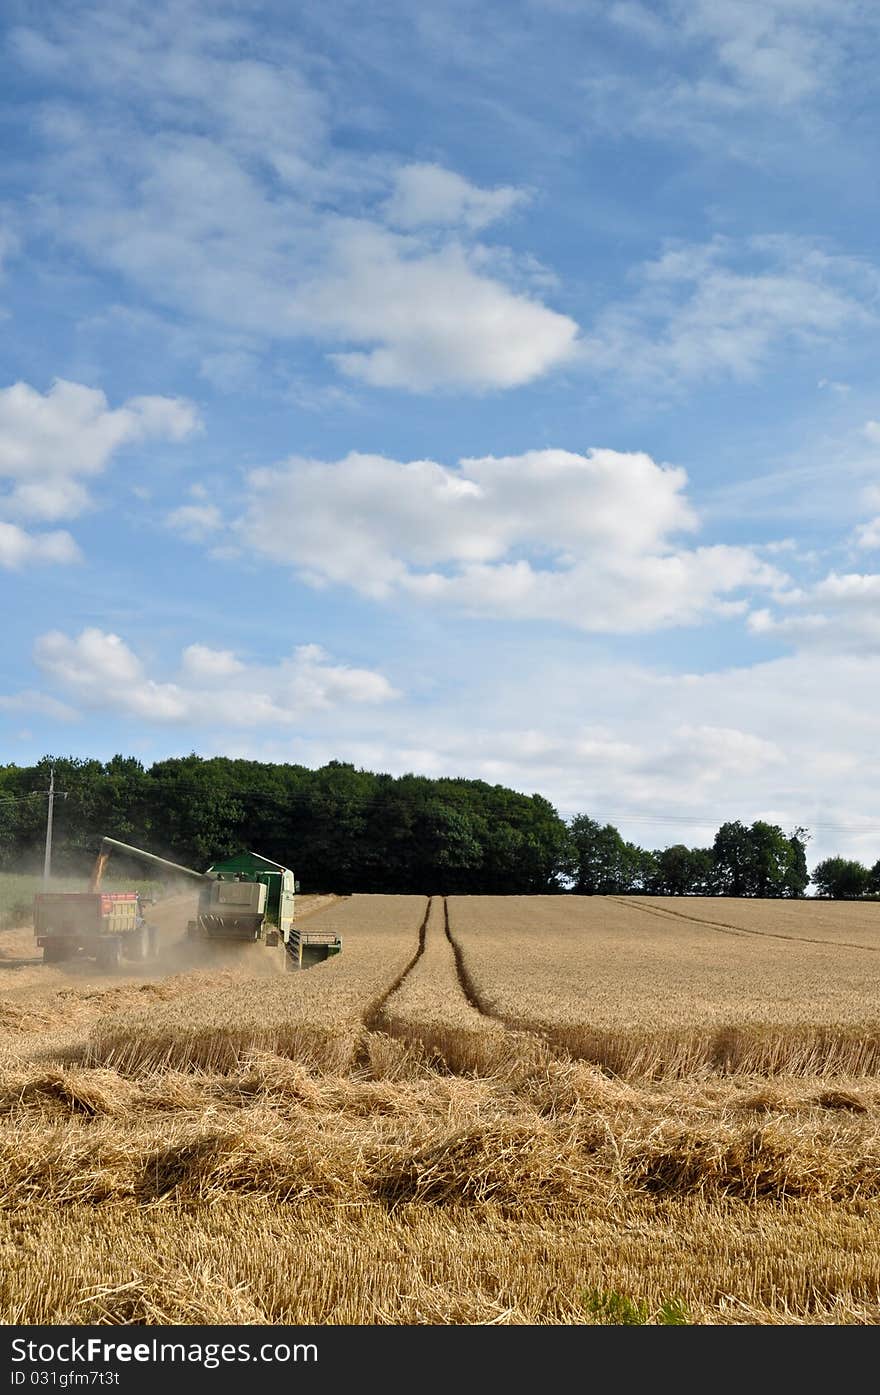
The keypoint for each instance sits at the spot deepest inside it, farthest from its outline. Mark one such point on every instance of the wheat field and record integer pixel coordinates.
(642, 987)
(485, 1110)
(318, 1015)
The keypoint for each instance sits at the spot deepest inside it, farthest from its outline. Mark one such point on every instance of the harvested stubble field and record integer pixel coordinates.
(367, 1143)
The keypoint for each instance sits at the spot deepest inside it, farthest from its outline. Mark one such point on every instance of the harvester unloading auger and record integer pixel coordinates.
(246, 898)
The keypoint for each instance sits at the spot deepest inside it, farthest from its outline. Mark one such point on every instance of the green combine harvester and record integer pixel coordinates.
(246, 898)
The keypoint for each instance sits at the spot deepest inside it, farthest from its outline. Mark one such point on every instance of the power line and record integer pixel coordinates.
(36, 794)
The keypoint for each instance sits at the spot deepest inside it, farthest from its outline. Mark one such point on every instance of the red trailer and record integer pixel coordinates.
(101, 925)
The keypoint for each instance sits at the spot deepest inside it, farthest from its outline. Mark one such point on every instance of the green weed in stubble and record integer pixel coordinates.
(608, 1308)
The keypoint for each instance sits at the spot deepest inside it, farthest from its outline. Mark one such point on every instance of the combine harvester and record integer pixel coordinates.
(245, 899)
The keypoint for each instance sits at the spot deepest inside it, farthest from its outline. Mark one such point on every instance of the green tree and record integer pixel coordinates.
(600, 862)
(841, 878)
(683, 871)
(759, 860)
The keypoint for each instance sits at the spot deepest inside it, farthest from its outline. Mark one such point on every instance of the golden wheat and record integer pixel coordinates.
(841, 923)
(642, 992)
(430, 1010)
(298, 1148)
(317, 1015)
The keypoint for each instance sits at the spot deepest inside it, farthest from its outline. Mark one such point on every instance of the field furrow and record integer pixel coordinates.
(430, 1008)
(647, 994)
(845, 925)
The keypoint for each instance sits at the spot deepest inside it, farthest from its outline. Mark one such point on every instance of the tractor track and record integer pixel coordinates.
(517, 1028)
(375, 1020)
(373, 1016)
(465, 981)
(724, 929)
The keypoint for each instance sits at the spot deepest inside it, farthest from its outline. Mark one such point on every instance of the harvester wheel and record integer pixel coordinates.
(137, 944)
(54, 953)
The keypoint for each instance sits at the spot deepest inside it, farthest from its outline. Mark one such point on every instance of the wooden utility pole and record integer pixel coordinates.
(47, 860)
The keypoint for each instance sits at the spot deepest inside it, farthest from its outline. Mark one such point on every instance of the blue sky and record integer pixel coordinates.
(467, 388)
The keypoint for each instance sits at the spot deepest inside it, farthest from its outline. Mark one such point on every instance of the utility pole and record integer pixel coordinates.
(47, 861)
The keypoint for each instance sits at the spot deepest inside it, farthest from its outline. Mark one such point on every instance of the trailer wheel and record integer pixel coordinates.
(54, 953)
(108, 954)
(137, 944)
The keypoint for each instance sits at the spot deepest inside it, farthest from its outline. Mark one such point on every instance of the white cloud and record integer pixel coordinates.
(415, 316)
(434, 319)
(719, 309)
(867, 535)
(37, 704)
(191, 69)
(215, 689)
(776, 50)
(50, 441)
(199, 661)
(219, 204)
(587, 540)
(18, 548)
(195, 521)
(718, 63)
(791, 740)
(667, 757)
(840, 613)
(428, 194)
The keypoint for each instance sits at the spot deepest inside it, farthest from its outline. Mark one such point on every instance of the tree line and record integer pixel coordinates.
(345, 829)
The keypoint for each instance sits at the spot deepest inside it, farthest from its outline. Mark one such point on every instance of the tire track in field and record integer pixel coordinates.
(724, 928)
(525, 1031)
(465, 981)
(372, 1017)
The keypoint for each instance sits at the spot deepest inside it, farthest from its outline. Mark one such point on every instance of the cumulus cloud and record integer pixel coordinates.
(214, 688)
(224, 199)
(199, 661)
(428, 194)
(586, 539)
(51, 442)
(435, 318)
(839, 613)
(867, 535)
(19, 548)
(666, 756)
